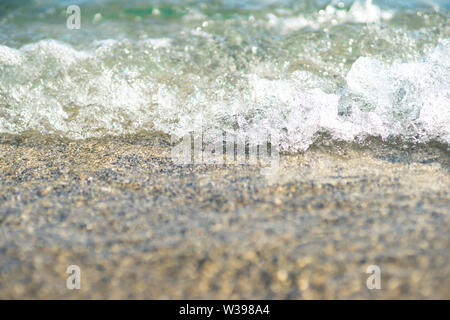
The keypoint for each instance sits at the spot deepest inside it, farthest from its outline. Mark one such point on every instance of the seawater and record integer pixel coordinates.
(296, 70)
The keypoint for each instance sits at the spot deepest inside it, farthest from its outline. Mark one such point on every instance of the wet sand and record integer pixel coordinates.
(140, 226)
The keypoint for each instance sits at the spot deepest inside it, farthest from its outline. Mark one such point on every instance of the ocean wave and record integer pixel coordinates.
(123, 87)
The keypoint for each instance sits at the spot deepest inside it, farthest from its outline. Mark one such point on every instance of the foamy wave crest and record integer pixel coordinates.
(359, 12)
(120, 87)
(407, 99)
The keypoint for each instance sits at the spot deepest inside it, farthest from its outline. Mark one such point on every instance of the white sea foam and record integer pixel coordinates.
(359, 12)
(120, 87)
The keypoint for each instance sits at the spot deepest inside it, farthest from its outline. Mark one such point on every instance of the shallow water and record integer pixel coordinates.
(294, 70)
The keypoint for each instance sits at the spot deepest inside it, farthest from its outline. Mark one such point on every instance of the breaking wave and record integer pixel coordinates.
(215, 78)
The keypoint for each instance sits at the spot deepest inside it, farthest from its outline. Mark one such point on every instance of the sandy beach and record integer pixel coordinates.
(139, 226)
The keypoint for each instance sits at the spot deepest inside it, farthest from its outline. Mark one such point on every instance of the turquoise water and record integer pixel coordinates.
(295, 69)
